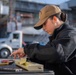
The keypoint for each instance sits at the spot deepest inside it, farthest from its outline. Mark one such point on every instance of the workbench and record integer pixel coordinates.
(16, 70)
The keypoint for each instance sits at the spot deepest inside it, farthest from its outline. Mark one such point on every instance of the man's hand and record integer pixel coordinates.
(18, 53)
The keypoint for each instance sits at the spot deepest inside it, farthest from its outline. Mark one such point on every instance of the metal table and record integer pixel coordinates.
(21, 72)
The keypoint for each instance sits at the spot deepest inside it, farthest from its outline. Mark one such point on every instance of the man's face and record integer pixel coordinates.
(49, 26)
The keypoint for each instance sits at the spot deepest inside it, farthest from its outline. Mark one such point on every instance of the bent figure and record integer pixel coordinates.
(59, 53)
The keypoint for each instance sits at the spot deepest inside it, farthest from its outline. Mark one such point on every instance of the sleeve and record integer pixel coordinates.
(52, 51)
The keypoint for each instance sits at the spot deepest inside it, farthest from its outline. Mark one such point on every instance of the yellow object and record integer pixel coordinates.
(22, 61)
(3, 64)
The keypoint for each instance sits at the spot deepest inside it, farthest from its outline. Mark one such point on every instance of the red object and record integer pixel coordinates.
(7, 61)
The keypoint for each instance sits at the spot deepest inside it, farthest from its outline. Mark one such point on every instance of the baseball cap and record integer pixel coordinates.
(45, 13)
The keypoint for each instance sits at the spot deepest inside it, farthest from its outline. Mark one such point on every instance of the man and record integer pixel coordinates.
(60, 50)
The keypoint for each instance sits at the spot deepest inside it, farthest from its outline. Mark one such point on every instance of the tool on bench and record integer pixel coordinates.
(4, 62)
(29, 66)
